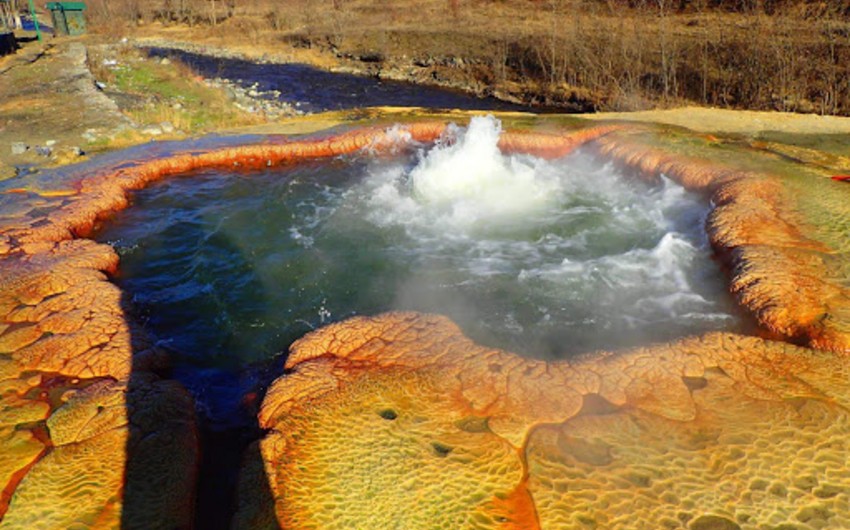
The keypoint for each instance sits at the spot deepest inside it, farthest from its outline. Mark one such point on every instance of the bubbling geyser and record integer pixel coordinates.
(574, 249)
(469, 176)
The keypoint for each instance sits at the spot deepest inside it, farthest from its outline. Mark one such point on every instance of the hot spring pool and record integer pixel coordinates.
(543, 258)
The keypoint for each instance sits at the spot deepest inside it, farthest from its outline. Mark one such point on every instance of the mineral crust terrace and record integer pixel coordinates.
(398, 421)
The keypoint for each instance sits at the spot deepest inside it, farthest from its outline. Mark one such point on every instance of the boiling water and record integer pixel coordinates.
(544, 258)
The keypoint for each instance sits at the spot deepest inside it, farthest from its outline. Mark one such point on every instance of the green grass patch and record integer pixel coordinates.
(170, 92)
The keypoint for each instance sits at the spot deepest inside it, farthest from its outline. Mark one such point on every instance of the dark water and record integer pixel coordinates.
(313, 90)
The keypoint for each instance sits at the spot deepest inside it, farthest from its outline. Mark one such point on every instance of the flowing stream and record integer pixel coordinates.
(311, 89)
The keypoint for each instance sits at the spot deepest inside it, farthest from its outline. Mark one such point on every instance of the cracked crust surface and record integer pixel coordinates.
(399, 419)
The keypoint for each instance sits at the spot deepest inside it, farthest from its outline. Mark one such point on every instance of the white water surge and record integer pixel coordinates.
(469, 181)
(550, 256)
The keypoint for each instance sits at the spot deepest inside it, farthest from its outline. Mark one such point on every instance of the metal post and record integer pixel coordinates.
(35, 21)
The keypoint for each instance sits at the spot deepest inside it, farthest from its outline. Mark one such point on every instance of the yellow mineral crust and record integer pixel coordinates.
(785, 239)
(399, 421)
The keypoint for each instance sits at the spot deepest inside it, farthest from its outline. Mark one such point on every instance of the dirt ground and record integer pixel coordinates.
(55, 107)
(49, 106)
(710, 120)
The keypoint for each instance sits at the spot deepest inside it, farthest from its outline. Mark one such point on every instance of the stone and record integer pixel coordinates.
(25, 169)
(19, 148)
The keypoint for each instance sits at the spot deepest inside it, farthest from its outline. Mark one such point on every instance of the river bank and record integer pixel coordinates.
(121, 94)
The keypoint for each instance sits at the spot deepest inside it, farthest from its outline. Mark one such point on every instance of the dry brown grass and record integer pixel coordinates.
(613, 54)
